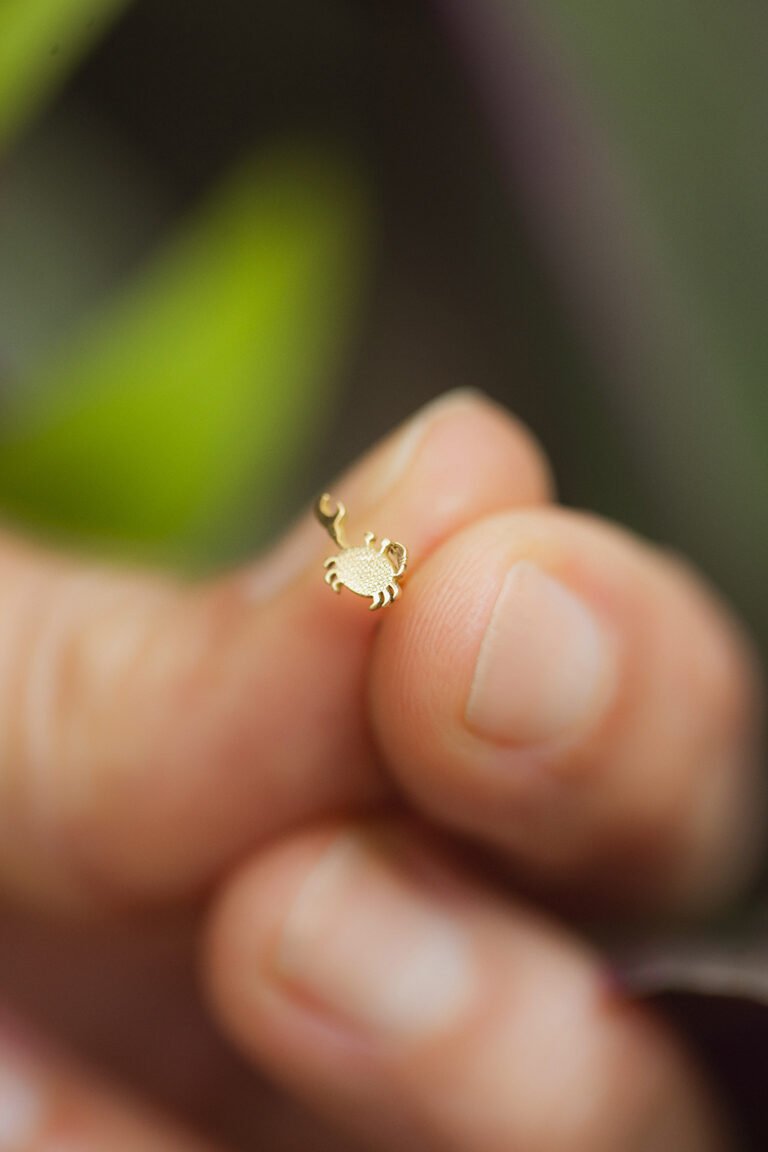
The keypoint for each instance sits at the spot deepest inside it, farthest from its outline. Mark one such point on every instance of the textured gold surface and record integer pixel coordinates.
(372, 569)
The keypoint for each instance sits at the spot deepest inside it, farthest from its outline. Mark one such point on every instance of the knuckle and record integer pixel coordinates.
(72, 639)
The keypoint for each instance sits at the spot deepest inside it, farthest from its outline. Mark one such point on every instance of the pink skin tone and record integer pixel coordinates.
(234, 819)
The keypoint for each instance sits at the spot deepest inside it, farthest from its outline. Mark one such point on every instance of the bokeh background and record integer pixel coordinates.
(240, 240)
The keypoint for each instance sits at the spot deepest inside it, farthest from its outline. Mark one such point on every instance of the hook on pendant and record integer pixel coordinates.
(331, 514)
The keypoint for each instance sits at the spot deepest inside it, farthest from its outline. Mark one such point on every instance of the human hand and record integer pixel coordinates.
(332, 816)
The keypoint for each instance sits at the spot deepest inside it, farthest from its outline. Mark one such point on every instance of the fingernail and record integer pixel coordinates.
(364, 942)
(408, 441)
(22, 1096)
(544, 667)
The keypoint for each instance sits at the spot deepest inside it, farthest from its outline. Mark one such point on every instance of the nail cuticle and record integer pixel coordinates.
(545, 666)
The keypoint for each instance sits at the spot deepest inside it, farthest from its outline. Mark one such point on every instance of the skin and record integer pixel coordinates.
(264, 867)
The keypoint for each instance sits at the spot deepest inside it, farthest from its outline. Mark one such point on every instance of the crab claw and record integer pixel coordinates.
(399, 554)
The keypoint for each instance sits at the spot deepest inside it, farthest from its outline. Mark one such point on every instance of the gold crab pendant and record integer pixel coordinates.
(372, 570)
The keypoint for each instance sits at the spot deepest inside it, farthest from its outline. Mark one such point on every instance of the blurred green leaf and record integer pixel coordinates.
(40, 40)
(200, 388)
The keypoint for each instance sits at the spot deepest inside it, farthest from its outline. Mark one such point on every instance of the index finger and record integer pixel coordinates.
(153, 732)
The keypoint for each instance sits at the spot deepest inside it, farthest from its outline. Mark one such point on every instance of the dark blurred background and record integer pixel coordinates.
(240, 240)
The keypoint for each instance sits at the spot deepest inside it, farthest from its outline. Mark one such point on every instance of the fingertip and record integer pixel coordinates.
(414, 472)
(392, 992)
(558, 691)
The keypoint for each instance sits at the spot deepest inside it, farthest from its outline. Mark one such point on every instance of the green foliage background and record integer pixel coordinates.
(164, 409)
(178, 408)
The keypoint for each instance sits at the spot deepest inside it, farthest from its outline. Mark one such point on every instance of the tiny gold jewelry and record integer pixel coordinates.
(372, 570)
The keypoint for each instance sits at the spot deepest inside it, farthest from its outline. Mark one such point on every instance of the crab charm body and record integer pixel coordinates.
(373, 569)
(368, 571)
